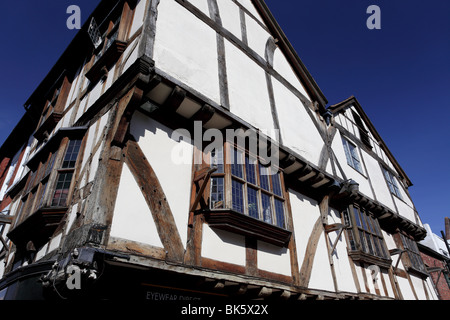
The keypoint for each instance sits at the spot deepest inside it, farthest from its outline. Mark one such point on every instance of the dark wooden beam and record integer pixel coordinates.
(156, 199)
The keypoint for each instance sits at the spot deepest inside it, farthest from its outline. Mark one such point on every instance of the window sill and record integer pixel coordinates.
(48, 125)
(233, 221)
(38, 227)
(416, 272)
(360, 256)
(108, 58)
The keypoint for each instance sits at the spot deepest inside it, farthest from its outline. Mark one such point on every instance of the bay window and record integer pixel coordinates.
(246, 197)
(364, 236)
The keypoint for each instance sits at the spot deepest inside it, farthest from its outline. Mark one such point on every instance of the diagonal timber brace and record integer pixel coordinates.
(205, 175)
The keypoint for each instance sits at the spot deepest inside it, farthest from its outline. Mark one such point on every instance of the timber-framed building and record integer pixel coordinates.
(103, 195)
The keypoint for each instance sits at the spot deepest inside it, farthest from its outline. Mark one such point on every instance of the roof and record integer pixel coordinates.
(352, 101)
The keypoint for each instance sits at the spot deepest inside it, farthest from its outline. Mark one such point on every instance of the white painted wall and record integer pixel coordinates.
(282, 66)
(274, 258)
(230, 16)
(223, 246)
(344, 276)
(132, 218)
(247, 86)
(186, 49)
(174, 173)
(305, 212)
(297, 129)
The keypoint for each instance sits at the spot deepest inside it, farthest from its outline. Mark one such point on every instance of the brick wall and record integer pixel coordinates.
(442, 286)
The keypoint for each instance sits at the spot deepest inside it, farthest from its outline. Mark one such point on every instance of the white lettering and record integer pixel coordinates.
(74, 21)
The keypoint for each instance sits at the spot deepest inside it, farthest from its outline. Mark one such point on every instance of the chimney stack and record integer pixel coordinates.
(447, 228)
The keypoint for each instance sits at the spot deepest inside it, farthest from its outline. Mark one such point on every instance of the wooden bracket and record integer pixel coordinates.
(6, 219)
(334, 227)
(203, 174)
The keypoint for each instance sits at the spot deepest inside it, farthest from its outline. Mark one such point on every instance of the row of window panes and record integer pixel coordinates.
(39, 177)
(413, 253)
(260, 197)
(370, 236)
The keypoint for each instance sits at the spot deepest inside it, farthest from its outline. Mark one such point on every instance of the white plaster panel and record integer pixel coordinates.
(89, 145)
(223, 246)
(131, 53)
(110, 79)
(230, 16)
(405, 289)
(247, 85)
(274, 258)
(297, 128)
(202, 5)
(378, 181)
(247, 4)
(133, 218)
(139, 14)
(305, 212)
(257, 37)
(283, 67)
(54, 243)
(172, 162)
(95, 93)
(186, 48)
(65, 121)
(341, 262)
(404, 210)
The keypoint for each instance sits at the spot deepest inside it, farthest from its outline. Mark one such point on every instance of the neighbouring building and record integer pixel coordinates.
(113, 191)
(435, 254)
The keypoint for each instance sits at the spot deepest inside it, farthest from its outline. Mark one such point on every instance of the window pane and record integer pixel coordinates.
(356, 213)
(217, 159)
(279, 212)
(252, 195)
(250, 170)
(71, 154)
(363, 221)
(377, 247)
(62, 189)
(264, 178)
(347, 220)
(237, 164)
(276, 184)
(267, 208)
(217, 192)
(237, 191)
(347, 152)
(369, 243)
(363, 241)
(351, 239)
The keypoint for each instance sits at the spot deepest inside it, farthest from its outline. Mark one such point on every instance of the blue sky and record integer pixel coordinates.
(399, 74)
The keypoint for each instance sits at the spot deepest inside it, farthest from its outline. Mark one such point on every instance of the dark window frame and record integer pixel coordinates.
(352, 155)
(365, 237)
(238, 173)
(392, 183)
